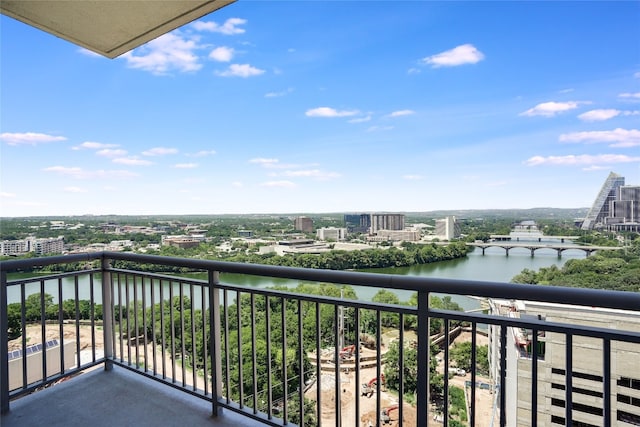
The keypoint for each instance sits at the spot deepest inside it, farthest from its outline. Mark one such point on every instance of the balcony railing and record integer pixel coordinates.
(278, 357)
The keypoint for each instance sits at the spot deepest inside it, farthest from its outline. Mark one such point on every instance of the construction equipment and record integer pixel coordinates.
(347, 352)
(385, 414)
(369, 387)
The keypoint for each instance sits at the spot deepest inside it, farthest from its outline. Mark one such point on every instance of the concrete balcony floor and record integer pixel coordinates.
(115, 398)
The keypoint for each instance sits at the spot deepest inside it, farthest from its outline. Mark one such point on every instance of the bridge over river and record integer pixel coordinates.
(533, 247)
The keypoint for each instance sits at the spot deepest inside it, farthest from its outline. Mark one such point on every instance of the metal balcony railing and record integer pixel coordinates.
(279, 357)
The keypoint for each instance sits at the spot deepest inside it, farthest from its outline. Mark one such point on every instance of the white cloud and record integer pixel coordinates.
(132, 161)
(413, 70)
(605, 114)
(264, 161)
(584, 159)
(74, 190)
(635, 95)
(566, 90)
(91, 145)
(329, 112)
(360, 119)
(6, 195)
(278, 94)
(88, 52)
(280, 184)
(400, 113)
(599, 115)
(636, 74)
(240, 70)
(202, 153)
(413, 177)
(616, 138)
(160, 151)
(237, 184)
(550, 109)
(230, 26)
(79, 173)
(222, 54)
(31, 138)
(108, 152)
(185, 165)
(460, 55)
(167, 53)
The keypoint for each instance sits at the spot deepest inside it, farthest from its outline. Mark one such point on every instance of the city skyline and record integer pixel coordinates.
(280, 107)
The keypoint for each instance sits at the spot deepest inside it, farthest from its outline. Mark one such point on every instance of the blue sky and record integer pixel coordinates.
(328, 106)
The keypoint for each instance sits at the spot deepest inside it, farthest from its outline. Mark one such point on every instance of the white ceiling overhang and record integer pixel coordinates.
(109, 27)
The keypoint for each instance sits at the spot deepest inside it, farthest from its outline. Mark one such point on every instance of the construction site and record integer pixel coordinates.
(365, 389)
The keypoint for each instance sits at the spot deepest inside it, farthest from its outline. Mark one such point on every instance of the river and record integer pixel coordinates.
(494, 265)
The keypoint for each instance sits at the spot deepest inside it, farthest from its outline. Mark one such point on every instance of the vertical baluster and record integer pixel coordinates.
(182, 337)
(145, 343)
(254, 362)
(301, 361)
(472, 416)
(239, 344)
(503, 375)
(568, 405)
(446, 373)
(606, 378)
(269, 361)
(285, 379)
(401, 371)
(318, 367)
(194, 354)
(534, 379)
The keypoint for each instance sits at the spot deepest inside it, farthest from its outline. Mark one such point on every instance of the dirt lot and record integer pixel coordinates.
(350, 391)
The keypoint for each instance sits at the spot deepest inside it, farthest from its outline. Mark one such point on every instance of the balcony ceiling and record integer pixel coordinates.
(109, 27)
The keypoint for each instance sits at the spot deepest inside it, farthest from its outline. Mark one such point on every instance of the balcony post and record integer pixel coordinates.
(422, 394)
(107, 314)
(4, 345)
(215, 334)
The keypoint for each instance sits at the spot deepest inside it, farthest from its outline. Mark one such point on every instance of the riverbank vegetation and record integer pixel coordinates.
(612, 270)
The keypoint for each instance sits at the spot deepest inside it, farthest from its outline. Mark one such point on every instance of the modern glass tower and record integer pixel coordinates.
(600, 209)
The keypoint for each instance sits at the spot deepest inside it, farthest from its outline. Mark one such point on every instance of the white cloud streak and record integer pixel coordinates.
(360, 119)
(132, 161)
(577, 160)
(240, 70)
(109, 152)
(550, 109)
(413, 177)
(230, 26)
(329, 112)
(460, 55)
(627, 95)
(185, 165)
(401, 113)
(169, 52)
(92, 145)
(278, 94)
(160, 151)
(605, 114)
(618, 137)
(29, 138)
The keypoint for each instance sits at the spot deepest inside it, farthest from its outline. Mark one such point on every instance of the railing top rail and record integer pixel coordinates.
(551, 294)
(20, 264)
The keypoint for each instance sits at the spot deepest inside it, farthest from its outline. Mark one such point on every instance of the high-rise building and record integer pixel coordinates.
(304, 224)
(386, 222)
(587, 366)
(447, 228)
(601, 207)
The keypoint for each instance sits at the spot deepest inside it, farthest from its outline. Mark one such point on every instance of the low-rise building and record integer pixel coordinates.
(331, 233)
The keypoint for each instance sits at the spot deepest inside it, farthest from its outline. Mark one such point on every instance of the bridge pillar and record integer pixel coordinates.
(562, 240)
(483, 251)
(507, 249)
(559, 253)
(532, 251)
(539, 239)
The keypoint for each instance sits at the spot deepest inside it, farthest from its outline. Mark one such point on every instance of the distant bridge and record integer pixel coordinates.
(537, 237)
(533, 247)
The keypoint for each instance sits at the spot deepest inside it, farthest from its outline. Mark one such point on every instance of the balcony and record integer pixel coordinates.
(116, 338)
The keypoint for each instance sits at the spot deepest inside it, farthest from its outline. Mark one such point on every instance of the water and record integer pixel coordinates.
(493, 266)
